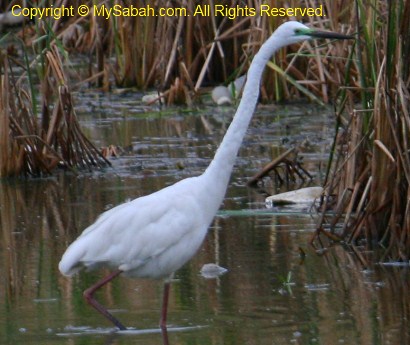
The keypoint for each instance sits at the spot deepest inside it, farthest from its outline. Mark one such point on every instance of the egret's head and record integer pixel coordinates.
(293, 32)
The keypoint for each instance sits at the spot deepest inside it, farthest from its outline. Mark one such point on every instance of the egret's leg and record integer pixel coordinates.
(164, 333)
(163, 321)
(89, 297)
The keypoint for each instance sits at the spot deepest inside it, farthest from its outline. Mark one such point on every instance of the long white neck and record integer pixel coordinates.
(220, 169)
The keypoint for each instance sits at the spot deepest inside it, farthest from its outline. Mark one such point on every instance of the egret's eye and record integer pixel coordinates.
(298, 31)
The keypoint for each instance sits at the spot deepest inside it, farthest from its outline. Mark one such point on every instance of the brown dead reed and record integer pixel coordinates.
(30, 146)
(370, 166)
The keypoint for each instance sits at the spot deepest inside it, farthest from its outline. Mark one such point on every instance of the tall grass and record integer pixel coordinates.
(181, 54)
(370, 174)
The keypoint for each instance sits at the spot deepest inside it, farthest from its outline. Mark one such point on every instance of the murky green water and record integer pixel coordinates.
(270, 295)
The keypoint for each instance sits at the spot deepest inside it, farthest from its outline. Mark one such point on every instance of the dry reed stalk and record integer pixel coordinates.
(64, 134)
(7, 146)
(320, 78)
(374, 153)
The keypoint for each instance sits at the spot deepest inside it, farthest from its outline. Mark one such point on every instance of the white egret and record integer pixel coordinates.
(154, 235)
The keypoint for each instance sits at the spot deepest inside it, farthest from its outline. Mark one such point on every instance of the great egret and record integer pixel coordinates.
(154, 235)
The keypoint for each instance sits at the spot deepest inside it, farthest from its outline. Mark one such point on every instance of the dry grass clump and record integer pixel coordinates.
(30, 146)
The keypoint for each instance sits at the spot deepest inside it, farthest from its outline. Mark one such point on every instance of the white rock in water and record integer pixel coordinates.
(12, 18)
(221, 95)
(300, 196)
(153, 98)
(210, 271)
(237, 85)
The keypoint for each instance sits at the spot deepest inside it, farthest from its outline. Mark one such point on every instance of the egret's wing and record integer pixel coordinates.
(132, 233)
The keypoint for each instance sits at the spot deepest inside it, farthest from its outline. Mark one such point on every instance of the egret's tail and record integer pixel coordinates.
(70, 263)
